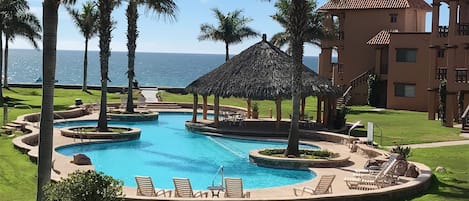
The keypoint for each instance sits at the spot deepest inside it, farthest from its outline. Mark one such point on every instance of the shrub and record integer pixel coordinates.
(85, 186)
(401, 150)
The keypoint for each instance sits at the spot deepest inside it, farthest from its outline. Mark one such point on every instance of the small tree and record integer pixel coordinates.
(373, 90)
(85, 186)
(442, 92)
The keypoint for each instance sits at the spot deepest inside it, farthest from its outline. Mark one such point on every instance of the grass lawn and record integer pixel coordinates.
(454, 183)
(18, 174)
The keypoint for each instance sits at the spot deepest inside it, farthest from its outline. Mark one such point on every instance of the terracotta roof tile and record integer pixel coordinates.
(374, 4)
(382, 38)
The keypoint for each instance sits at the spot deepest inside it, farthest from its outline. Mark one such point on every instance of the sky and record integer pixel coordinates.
(157, 34)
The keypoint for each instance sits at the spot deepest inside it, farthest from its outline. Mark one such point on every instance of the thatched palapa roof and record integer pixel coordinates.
(262, 71)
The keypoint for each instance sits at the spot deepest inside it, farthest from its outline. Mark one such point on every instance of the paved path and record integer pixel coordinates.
(440, 144)
(150, 94)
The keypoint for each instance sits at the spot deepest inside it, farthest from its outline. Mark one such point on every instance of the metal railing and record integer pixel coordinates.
(464, 118)
(220, 172)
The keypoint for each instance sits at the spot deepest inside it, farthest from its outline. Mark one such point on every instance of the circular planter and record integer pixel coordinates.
(296, 163)
(138, 116)
(80, 133)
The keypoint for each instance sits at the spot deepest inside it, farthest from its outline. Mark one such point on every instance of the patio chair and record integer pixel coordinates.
(359, 172)
(183, 188)
(234, 188)
(141, 101)
(145, 187)
(324, 187)
(365, 181)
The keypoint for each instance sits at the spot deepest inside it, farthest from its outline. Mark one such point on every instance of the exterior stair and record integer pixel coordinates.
(465, 121)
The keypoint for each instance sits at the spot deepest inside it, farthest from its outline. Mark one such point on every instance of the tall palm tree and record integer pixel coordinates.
(105, 8)
(163, 7)
(50, 20)
(8, 8)
(313, 33)
(297, 24)
(231, 29)
(22, 23)
(87, 22)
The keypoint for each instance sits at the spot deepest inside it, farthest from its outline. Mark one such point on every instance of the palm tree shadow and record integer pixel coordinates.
(88, 92)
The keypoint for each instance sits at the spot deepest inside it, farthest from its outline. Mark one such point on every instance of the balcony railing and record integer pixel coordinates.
(441, 73)
(339, 35)
(461, 75)
(443, 31)
(464, 29)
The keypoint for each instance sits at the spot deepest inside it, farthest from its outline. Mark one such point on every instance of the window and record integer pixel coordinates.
(393, 18)
(404, 90)
(441, 53)
(406, 55)
(441, 73)
(461, 75)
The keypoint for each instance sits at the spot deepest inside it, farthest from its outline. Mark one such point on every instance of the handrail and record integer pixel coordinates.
(219, 171)
(464, 117)
(359, 78)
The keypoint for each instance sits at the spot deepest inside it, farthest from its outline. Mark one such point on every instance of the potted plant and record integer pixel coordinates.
(255, 110)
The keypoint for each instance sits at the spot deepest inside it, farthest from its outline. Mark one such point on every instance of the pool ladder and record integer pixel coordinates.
(221, 172)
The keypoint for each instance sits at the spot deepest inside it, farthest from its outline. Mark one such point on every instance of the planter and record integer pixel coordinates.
(255, 114)
(296, 163)
(81, 132)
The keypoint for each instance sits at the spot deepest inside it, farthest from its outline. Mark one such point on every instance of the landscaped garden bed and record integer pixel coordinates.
(88, 132)
(119, 115)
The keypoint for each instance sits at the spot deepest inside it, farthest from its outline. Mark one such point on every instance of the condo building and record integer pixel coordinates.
(387, 39)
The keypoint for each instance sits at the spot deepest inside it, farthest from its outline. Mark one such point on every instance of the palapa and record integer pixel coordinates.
(263, 72)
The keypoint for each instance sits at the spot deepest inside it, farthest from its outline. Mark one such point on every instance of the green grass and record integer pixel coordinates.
(401, 127)
(453, 185)
(18, 174)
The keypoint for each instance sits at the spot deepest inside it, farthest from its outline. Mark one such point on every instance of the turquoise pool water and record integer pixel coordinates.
(166, 150)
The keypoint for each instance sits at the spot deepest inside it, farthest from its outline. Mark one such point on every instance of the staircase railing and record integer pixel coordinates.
(360, 79)
(464, 118)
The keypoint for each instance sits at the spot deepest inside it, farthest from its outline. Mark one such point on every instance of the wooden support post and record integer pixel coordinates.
(194, 108)
(248, 101)
(278, 108)
(319, 111)
(217, 110)
(205, 107)
(303, 105)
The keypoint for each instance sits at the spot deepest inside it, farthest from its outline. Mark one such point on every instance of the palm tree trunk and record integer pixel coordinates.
(132, 35)
(1, 66)
(297, 17)
(50, 20)
(5, 63)
(85, 67)
(105, 10)
(227, 52)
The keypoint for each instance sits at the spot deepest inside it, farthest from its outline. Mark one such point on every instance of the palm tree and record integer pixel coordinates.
(313, 33)
(105, 8)
(8, 8)
(164, 7)
(297, 24)
(22, 23)
(87, 22)
(231, 29)
(50, 20)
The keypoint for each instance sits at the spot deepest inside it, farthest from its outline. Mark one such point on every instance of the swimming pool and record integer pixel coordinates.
(166, 150)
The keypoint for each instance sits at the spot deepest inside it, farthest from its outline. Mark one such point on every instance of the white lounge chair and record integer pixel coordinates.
(366, 181)
(234, 188)
(183, 188)
(324, 187)
(145, 187)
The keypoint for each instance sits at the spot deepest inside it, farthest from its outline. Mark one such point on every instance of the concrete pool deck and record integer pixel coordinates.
(406, 187)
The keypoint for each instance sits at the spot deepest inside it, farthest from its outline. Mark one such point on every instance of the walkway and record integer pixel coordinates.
(439, 144)
(150, 95)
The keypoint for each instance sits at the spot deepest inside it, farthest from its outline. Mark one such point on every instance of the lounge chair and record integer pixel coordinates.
(234, 188)
(366, 181)
(123, 103)
(183, 188)
(324, 187)
(141, 101)
(145, 187)
(359, 172)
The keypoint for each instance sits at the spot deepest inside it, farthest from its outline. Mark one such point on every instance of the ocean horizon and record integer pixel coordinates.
(151, 69)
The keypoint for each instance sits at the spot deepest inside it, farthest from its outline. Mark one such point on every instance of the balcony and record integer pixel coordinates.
(441, 73)
(461, 75)
(443, 31)
(463, 29)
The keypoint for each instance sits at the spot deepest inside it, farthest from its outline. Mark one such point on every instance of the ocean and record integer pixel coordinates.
(151, 69)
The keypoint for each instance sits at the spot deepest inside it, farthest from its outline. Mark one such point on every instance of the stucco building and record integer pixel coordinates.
(387, 38)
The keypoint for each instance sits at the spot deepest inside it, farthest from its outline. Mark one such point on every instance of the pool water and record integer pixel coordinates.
(166, 150)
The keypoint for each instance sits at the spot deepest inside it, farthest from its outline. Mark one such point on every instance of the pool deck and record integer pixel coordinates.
(62, 167)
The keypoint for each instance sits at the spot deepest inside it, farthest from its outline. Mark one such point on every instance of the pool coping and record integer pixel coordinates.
(412, 186)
